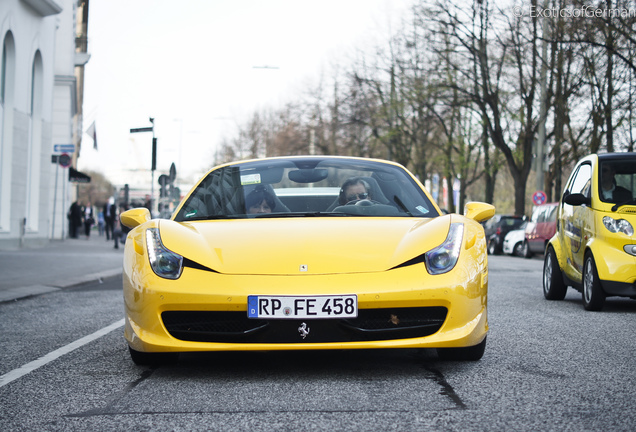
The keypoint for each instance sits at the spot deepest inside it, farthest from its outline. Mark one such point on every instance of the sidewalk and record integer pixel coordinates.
(60, 264)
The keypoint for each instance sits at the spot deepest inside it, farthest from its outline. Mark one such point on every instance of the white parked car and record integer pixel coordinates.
(515, 242)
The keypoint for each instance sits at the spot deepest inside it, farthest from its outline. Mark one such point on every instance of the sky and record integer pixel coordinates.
(196, 67)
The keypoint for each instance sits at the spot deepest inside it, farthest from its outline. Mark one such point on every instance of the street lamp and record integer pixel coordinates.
(153, 166)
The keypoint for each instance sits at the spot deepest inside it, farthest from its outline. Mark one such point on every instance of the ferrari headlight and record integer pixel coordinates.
(443, 258)
(164, 262)
(618, 225)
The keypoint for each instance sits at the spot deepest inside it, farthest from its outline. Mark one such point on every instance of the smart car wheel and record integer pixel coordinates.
(553, 286)
(142, 358)
(593, 294)
(472, 353)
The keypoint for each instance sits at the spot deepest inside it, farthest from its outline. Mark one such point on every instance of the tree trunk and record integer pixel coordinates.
(490, 174)
(609, 124)
(520, 182)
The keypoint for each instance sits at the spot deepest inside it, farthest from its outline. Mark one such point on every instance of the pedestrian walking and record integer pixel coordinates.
(74, 219)
(120, 230)
(110, 214)
(100, 222)
(89, 220)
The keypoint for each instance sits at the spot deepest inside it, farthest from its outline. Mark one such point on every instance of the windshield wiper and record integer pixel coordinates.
(628, 202)
(400, 204)
(211, 217)
(301, 214)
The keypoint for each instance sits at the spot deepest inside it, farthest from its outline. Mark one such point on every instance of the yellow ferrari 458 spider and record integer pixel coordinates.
(306, 253)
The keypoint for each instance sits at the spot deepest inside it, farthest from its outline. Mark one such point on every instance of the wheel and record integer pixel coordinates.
(553, 286)
(526, 250)
(472, 353)
(518, 249)
(492, 247)
(143, 358)
(593, 294)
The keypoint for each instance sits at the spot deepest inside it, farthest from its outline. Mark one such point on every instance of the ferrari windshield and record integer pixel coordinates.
(305, 187)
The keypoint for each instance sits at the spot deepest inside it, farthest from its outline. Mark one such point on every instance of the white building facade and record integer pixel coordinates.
(39, 109)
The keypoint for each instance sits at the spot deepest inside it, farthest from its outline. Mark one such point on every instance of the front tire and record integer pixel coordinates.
(593, 294)
(553, 286)
(472, 353)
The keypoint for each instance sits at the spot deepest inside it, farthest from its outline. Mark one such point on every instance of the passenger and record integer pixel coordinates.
(353, 190)
(609, 190)
(259, 201)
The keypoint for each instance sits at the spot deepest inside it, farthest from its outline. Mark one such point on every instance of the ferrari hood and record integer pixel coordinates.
(294, 246)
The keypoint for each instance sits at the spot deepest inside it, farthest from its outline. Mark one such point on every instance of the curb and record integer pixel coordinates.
(13, 294)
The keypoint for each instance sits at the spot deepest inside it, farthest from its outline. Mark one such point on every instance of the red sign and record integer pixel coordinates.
(64, 160)
(539, 197)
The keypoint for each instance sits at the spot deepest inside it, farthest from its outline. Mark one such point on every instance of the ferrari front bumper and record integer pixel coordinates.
(399, 308)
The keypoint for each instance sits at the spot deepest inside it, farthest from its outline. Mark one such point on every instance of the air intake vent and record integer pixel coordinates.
(370, 325)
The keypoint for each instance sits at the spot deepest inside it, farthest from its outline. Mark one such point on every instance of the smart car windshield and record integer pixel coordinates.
(617, 181)
(304, 187)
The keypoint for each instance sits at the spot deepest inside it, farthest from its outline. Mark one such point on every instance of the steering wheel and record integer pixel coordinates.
(363, 203)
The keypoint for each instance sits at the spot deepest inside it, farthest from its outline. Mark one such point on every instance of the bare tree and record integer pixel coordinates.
(97, 191)
(462, 90)
(499, 62)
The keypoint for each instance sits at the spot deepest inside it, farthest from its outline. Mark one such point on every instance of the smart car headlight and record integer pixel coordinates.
(618, 225)
(164, 262)
(443, 258)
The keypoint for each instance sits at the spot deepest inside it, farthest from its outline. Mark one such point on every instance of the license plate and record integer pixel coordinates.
(304, 307)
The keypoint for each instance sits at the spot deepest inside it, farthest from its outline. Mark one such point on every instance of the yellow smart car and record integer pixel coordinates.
(594, 248)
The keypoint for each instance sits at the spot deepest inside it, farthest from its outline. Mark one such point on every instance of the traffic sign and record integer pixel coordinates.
(539, 197)
(163, 180)
(64, 160)
(64, 148)
(143, 129)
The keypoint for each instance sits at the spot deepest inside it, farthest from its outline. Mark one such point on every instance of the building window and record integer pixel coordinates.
(7, 86)
(35, 145)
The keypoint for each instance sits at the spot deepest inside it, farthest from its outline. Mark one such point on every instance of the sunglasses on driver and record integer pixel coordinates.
(359, 196)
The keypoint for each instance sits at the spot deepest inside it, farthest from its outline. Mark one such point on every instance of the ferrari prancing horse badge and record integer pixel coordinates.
(303, 330)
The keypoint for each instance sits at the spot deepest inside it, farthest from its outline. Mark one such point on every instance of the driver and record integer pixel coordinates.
(259, 201)
(609, 190)
(353, 190)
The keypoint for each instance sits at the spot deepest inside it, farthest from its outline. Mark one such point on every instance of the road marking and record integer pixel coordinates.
(53, 355)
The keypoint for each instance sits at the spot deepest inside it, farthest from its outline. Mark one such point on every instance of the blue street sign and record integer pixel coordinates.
(64, 148)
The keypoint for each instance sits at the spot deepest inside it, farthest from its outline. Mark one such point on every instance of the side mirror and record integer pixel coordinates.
(135, 217)
(576, 199)
(479, 211)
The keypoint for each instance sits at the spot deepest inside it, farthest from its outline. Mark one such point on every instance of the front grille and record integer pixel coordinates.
(370, 325)
(210, 326)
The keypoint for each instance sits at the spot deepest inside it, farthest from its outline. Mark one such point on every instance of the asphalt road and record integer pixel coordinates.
(548, 366)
